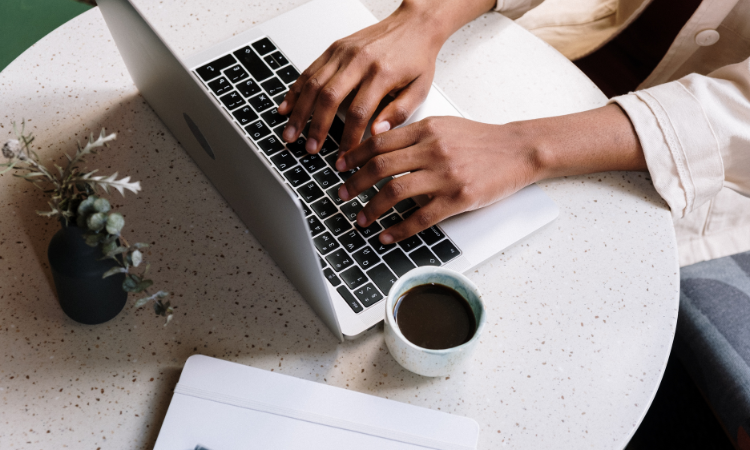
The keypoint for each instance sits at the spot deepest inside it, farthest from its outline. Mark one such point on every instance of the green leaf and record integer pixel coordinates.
(92, 240)
(115, 222)
(138, 245)
(96, 221)
(87, 206)
(143, 301)
(143, 285)
(108, 247)
(130, 284)
(114, 271)
(116, 251)
(102, 205)
(137, 258)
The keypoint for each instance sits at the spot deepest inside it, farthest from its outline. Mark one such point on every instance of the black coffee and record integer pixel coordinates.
(434, 316)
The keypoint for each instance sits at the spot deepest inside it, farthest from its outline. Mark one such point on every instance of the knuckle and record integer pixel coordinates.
(401, 114)
(429, 126)
(329, 96)
(379, 166)
(423, 218)
(394, 190)
(464, 194)
(377, 143)
(312, 84)
(358, 113)
(442, 150)
(381, 68)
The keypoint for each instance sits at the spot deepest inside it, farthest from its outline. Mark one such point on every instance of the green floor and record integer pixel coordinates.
(23, 22)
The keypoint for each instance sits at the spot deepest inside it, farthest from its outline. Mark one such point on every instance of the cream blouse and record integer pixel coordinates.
(692, 114)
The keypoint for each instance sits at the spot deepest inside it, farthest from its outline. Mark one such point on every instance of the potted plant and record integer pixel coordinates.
(94, 267)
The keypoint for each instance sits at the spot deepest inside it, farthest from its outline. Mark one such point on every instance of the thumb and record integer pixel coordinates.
(400, 109)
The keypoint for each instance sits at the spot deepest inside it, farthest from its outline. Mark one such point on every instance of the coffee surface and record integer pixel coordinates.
(434, 316)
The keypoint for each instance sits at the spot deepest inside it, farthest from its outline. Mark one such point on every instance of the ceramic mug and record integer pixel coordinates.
(424, 361)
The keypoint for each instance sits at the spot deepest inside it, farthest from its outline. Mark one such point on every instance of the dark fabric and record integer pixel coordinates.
(713, 338)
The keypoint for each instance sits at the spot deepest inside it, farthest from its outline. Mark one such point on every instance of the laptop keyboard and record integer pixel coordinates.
(250, 83)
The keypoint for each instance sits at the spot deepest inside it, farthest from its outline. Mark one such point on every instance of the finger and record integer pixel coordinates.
(431, 214)
(304, 105)
(295, 89)
(361, 110)
(400, 109)
(396, 190)
(326, 105)
(379, 167)
(378, 145)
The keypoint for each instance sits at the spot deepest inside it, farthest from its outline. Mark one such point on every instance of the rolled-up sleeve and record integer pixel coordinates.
(695, 134)
(513, 9)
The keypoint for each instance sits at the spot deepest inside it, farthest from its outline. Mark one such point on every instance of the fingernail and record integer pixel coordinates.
(361, 220)
(311, 145)
(386, 239)
(343, 193)
(341, 165)
(282, 105)
(289, 133)
(381, 127)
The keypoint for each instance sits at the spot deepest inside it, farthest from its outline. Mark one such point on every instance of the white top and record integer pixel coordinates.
(581, 315)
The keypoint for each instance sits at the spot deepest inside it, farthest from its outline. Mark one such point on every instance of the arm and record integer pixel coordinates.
(463, 165)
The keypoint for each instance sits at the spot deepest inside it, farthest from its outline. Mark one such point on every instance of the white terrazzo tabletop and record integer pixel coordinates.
(581, 314)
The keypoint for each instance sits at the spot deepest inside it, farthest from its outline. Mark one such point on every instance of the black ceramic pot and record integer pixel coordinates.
(77, 269)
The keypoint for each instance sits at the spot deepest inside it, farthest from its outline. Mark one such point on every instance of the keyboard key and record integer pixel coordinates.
(273, 86)
(312, 163)
(273, 118)
(408, 213)
(280, 59)
(367, 195)
(331, 160)
(446, 251)
(324, 207)
(309, 192)
(368, 295)
(245, 115)
(424, 257)
(252, 62)
(305, 208)
(339, 260)
(333, 193)
(322, 263)
(382, 277)
(405, 205)
(351, 241)
(271, 145)
(214, 68)
(349, 299)
(351, 209)
(380, 248)
(298, 147)
(354, 277)
(431, 235)
(383, 182)
(328, 147)
(337, 129)
(283, 160)
(271, 61)
(390, 221)
(315, 226)
(232, 100)
(296, 176)
(331, 277)
(261, 102)
(385, 214)
(220, 86)
(264, 46)
(398, 262)
(346, 175)
(326, 178)
(337, 224)
(279, 98)
(258, 130)
(325, 243)
(366, 258)
(371, 230)
(410, 243)
(236, 74)
(248, 88)
(279, 131)
(288, 74)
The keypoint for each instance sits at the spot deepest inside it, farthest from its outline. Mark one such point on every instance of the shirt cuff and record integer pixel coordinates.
(513, 9)
(681, 149)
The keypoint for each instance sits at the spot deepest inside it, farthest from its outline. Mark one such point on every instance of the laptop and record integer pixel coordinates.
(220, 104)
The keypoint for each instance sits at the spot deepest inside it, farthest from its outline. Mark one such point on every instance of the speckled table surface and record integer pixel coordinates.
(581, 314)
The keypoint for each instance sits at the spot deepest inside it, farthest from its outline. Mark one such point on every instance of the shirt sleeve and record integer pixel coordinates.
(513, 9)
(695, 134)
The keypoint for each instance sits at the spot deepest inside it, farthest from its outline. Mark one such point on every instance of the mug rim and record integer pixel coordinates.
(433, 270)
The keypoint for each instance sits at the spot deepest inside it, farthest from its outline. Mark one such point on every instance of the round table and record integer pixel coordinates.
(581, 314)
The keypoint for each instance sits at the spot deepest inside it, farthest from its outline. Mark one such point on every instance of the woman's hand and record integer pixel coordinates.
(396, 56)
(461, 165)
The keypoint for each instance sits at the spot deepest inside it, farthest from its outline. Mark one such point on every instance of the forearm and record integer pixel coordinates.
(599, 140)
(445, 17)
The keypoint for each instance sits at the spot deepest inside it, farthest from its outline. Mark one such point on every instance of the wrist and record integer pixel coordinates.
(442, 18)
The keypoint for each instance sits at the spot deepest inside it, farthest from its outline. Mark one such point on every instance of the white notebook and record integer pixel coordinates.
(219, 405)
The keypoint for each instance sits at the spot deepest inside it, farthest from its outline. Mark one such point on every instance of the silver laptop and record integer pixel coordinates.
(221, 105)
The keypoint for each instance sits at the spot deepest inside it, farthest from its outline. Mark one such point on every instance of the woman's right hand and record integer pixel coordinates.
(395, 56)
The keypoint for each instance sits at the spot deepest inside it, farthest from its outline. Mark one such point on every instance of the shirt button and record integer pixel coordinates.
(707, 37)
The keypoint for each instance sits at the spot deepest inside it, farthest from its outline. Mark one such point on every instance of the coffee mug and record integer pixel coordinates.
(420, 360)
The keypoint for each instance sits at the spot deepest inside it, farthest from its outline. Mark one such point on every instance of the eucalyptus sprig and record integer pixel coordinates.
(73, 197)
